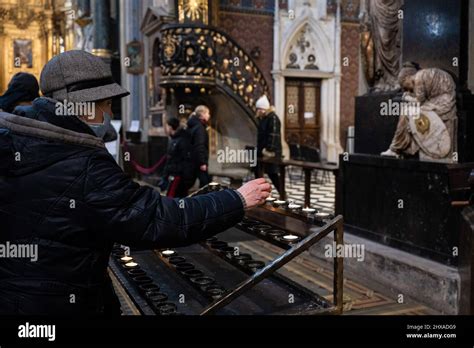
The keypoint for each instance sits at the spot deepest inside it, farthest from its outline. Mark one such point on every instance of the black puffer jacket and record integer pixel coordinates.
(179, 155)
(199, 141)
(268, 136)
(62, 191)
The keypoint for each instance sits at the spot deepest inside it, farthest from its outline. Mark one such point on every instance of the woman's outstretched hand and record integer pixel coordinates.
(255, 192)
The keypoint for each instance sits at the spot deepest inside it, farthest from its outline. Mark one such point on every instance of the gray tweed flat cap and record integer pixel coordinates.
(79, 76)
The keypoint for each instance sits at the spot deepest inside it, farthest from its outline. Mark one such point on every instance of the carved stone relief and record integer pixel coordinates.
(302, 54)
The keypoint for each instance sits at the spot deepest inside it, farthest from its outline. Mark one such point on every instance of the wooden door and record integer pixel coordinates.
(303, 107)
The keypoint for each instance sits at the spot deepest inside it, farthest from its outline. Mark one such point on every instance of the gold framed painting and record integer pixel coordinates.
(22, 53)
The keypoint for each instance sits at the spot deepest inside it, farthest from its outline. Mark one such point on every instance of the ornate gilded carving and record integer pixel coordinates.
(193, 11)
(21, 15)
(205, 56)
(41, 23)
(169, 46)
(422, 124)
(3, 14)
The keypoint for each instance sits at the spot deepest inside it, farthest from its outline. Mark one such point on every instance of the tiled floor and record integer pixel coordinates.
(358, 298)
(317, 275)
(323, 189)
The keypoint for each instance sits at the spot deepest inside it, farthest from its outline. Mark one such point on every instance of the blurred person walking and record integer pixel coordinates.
(22, 89)
(197, 124)
(178, 172)
(268, 139)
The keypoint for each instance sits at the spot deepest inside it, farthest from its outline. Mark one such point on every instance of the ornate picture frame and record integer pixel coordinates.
(135, 58)
(23, 53)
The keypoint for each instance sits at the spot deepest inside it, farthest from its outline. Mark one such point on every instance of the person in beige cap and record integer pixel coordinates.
(268, 138)
(62, 193)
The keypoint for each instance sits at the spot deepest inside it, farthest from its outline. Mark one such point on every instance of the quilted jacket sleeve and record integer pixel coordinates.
(6, 151)
(139, 216)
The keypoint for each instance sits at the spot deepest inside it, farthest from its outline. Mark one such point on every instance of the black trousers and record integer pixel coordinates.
(272, 173)
(275, 178)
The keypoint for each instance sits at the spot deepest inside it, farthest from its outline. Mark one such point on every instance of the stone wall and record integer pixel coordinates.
(350, 61)
(350, 76)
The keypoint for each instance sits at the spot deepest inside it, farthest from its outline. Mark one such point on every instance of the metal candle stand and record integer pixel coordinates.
(294, 248)
(211, 291)
(143, 284)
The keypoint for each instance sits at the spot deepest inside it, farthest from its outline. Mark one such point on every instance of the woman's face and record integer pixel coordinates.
(261, 112)
(100, 107)
(206, 115)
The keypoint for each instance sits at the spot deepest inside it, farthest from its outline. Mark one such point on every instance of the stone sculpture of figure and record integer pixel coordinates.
(381, 44)
(432, 130)
(311, 63)
(292, 64)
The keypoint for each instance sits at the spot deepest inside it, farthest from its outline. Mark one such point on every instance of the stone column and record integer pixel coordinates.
(134, 106)
(279, 80)
(102, 30)
(334, 145)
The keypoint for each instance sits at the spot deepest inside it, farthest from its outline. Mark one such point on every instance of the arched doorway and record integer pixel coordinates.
(307, 79)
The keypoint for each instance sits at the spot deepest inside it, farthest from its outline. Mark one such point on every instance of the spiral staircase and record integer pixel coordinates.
(195, 57)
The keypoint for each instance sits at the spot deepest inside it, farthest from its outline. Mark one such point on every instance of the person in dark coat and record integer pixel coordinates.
(179, 167)
(268, 139)
(197, 124)
(22, 90)
(63, 193)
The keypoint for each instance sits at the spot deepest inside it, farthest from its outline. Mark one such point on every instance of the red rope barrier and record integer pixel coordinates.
(138, 167)
(174, 187)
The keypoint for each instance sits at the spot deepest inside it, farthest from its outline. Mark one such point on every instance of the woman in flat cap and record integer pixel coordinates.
(68, 196)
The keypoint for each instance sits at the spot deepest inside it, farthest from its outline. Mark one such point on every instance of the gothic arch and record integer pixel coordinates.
(322, 36)
(317, 38)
